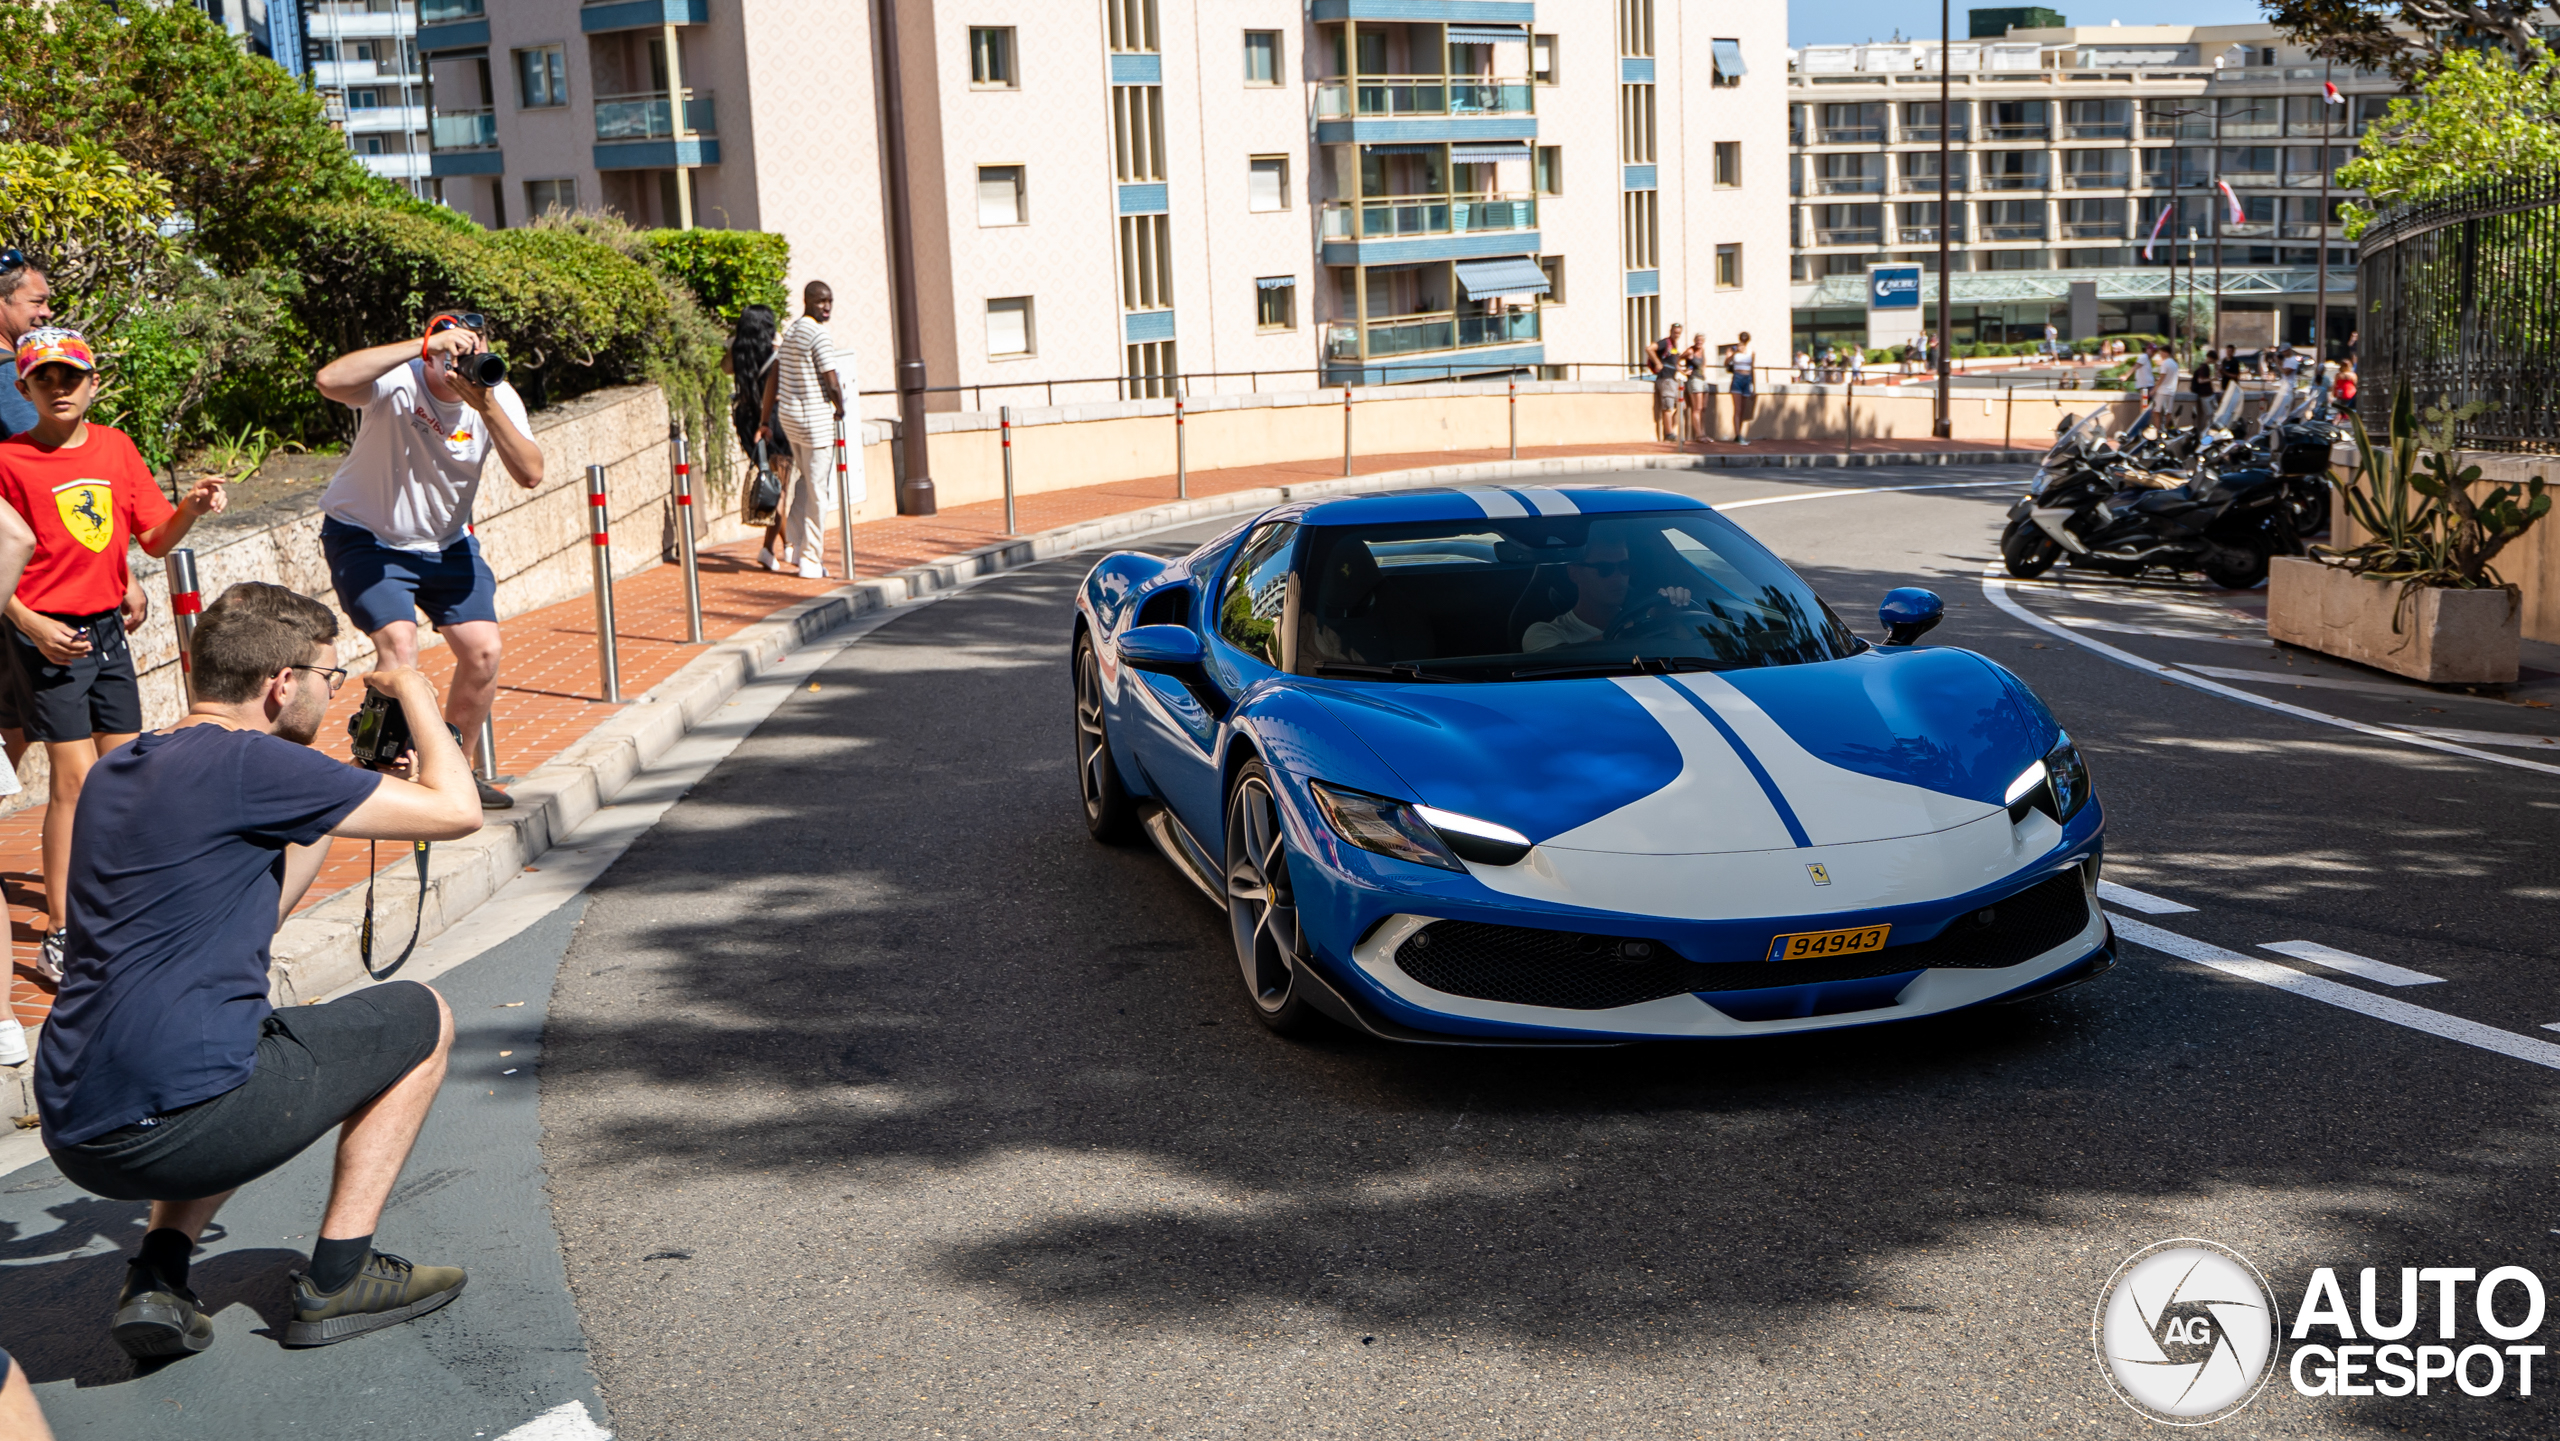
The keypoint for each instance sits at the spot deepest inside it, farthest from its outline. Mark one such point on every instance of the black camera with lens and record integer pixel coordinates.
(482, 369)
(378, 733)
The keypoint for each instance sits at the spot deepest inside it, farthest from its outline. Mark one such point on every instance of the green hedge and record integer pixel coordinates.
(727, 270)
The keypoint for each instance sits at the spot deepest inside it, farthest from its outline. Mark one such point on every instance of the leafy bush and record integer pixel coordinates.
(727, 270)
(2480, 117)
(164, 361)
(93, 222)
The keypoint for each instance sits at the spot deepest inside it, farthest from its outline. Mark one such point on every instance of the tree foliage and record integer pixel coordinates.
(93, 222)
(2408, 38)
(727, 270)
(239, 142)
(165, 360)
(2478, 118)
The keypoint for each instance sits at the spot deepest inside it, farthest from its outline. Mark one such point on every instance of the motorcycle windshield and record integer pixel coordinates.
(2279, 408)
(2077, 435)
(2227, 410)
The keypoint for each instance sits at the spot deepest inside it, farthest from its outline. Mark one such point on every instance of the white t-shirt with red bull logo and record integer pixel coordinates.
(415, 466)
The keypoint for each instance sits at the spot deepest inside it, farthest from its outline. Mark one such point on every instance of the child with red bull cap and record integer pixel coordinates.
(87, 494)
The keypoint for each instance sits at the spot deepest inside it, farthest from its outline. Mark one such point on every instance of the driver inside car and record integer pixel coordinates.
(1600, 582)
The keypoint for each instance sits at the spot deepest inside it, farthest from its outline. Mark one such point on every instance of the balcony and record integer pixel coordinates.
(2034, 231)
(464, 130)
(650, 115)
(604, 17)
(1851, 134)
(348, 21)
(1408, 216)
(1928, 235)
(1849, 235)
(1423, 334)
(1928, 185)
(1848, 185)
(2097, 180)
(2193, 129)
(2093, 230)
(441, 12)
(2018, 132)
(1928, 134)
(2034, 180)
(2105, 130)
(1383, 97)
(386, 119)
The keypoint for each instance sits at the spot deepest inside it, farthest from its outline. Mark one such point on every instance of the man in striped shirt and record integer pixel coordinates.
(805, 390)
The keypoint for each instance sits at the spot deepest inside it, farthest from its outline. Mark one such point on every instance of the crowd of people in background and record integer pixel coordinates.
(1684, 385)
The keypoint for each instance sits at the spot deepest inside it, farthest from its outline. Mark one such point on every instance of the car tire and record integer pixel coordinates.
(2027, 551)
(1262, 911)
(1110, 812)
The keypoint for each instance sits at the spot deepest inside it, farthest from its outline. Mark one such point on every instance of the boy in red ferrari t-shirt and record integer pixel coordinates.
(87, 494)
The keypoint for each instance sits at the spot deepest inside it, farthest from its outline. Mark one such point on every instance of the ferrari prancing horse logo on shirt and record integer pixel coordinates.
(88, 511)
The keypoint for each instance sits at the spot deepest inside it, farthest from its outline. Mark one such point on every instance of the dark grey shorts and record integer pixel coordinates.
(316, 1066)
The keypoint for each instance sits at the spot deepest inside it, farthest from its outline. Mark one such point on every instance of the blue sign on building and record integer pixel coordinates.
(1893, 287)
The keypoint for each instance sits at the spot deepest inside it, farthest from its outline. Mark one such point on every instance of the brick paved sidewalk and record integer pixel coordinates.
(550, 695)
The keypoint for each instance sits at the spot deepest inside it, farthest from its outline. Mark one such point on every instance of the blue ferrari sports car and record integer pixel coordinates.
(1576, 764)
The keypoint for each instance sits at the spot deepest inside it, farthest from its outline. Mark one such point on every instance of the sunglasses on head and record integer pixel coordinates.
(12, 259)
(467, 319)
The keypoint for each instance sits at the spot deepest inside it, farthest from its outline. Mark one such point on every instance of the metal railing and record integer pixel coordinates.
(1851, 134)
(2097, 179)
(1848, 185)
(436, 12)
(1388, 95)
(650, 115)
(1423, 334)
(2102, 130)
(2457, 299)
(1397, 216)
(1848, 235)
(2033, 230)
(463, 130)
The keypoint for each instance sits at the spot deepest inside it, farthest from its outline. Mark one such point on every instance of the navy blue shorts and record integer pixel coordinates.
(1742, 383)
(378, 585)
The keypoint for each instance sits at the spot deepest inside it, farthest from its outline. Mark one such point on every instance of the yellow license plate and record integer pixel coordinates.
(1816, 945)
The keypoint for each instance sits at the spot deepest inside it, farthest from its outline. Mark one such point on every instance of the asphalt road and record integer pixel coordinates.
(878, 1101)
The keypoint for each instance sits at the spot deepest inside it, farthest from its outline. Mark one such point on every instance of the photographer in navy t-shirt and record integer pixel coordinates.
(164, 1074)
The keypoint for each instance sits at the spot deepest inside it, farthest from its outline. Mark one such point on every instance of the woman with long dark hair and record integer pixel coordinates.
(751, 348)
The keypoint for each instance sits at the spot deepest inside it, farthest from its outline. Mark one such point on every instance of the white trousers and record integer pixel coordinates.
(813, 466)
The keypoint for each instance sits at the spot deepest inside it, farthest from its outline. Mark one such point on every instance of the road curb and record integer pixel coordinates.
(316, 952)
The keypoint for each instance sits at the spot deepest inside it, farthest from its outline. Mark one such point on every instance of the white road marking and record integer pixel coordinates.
(1995, 589)
(2487, 738)
(2318, 682)
(2081, 622)
(2381, 1008)
(2143, 901)
(1861, 490)
(2382, 972)
(567, 1421)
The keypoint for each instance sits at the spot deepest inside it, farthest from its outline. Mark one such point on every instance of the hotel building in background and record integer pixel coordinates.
(2068, 146)
(1346, 190)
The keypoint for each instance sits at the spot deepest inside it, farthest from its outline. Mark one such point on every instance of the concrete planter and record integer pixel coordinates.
(2446, 637)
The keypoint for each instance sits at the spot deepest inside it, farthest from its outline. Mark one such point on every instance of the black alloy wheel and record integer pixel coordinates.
(1262, 907)
(2026, 550)
(1110, 812)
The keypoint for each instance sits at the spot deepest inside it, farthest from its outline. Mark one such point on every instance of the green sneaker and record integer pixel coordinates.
(155, 1318)
(386, 1291)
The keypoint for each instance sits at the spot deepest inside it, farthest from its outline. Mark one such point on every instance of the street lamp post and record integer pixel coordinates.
(2320, 234)
(915, 472)
(1942, 426)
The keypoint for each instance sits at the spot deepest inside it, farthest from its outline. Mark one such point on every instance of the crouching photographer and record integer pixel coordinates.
(164, 1074)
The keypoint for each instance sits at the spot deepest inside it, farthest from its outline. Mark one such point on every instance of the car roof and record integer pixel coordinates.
(1479, 502)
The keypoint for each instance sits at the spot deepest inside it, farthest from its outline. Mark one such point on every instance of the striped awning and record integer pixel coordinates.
(1275, 282)
(1510, 275)
(1488, 34)
(1400, 149)
(1485, 154)
(1728, 55)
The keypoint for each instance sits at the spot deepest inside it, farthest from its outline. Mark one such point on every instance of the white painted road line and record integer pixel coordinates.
(2082, 622)
(567, 1421)
(2381, 972)
(2143, 901)
(1995, 589)
(1863, 490)
(2317, 682)
(2381, 1008)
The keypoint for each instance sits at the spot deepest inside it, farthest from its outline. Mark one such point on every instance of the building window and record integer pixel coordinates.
(1275, 303)
(1729, 68)
(1146, 262)
(544, 196)
(1728, 267)
(1262, 57)
(1542, 59)
(1728, 164)
(364, 100)
(1644, 322)
(1137, 131)
(372, 146)
(1553, 265)
(1267, 183)
(542, 78)
(1009, 331)
(1635, 27)
(991, 57)
(1636, 124)
(1001, 199)
(1133, 28)
(1643, 228)
(1150, 374)
(1547, 169)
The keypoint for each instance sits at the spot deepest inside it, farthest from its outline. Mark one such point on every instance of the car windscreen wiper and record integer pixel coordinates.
(1401, 670)
(1641, 665)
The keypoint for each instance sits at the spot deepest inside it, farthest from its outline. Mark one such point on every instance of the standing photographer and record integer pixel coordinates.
(165, 1075)
(398, 532)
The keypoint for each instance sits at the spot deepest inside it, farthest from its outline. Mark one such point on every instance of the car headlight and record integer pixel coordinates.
(1421, 834)
(2057, 785)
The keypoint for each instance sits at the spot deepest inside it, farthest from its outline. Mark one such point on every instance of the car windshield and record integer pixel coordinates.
(1551, 596)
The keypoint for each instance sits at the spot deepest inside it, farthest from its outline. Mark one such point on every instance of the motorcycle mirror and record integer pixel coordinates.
(1909, 613)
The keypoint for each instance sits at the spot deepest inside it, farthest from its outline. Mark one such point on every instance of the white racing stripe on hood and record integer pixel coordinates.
(1497, 504)
(1833, 804)
(1548, 500)
(1713, 804)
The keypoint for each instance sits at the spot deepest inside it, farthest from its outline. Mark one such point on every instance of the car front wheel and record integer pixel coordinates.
(1110, 812)
(1262, 906)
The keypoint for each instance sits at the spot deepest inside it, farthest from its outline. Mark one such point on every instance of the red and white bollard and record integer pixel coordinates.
(1181, 452)
(185, 604)
(608, 666)
(684, 535)
(1004, 432)
(844, 503)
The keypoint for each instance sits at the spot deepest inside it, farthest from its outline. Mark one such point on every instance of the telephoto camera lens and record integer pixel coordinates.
(485, 369)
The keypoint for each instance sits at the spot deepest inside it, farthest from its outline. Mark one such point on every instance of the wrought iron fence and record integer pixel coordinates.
(2461, 300)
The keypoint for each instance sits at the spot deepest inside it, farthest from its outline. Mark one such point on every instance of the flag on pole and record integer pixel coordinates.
(2238, 214)
(2329, 93)
(2156, 227)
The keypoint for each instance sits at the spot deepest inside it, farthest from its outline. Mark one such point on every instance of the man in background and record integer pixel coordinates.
(806, 390)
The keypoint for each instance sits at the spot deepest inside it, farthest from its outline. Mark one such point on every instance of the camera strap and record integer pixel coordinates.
(364, 937)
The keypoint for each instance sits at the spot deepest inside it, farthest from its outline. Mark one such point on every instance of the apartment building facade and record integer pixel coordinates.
(1245, 192)
(2084, 163)
(361, 56)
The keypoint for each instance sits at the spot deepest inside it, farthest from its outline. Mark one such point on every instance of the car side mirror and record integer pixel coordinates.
(1909, 613)
(1164, 649)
